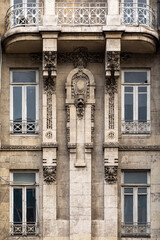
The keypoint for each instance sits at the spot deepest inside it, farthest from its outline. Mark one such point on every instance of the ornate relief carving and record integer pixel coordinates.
(92, 113)
(93, 57)
(48, 134)
(80, 58)
(68, 134)
(68, 113)
(49, 61)
(49, 85)
(80, 91)
(113, 61)
(111, 134)
(49, 111)
(36, 57)
(110, 174)
(49, 174)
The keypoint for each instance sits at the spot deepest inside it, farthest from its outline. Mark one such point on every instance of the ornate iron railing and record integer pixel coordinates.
(136, 127)
(24, 14)
(24, 127)
(23, 229)
(137, 14)
(135, 230)
(84, 14)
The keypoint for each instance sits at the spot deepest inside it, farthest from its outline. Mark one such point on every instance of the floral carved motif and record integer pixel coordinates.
(49, 174)
(110, 174)
(113, 61)
(49, 60)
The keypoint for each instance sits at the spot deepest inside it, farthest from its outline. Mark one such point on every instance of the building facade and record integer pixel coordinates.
(79, 120)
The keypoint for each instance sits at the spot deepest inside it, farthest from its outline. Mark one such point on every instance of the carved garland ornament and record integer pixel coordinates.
(110, 174)
(49, 174)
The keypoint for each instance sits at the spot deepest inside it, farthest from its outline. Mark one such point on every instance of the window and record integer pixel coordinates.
(24, 101)
(136, 12)
(136, 102)
(25, 12)
(135, 203)
(24, 203)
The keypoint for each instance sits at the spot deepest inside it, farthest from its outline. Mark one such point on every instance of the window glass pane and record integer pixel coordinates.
(31, 205)
(128, 190)
(24, 77)
(142, 107)
(24, 178)
(135, 177)
(17, 2)
(17, 205)
(128, 209)
(142, 89)
(142, 209)
(17, 103)
(128, 107)
(135, 77)
(31, 103)
(128, 89)
(142, 190)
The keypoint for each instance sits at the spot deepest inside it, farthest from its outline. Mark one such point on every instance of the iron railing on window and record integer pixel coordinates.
(24, 229)
(137, 14)
(135, 230)
(136, 127)
(24, 14)
(84, 14)
(24, 127)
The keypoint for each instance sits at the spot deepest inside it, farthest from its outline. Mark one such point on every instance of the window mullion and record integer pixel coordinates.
(24, 109)
(135, 103)
(123, 104)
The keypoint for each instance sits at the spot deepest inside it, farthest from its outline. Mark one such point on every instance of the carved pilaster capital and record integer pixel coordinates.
(110, 174)
(49, 63)
(112, 64)
(49, 174)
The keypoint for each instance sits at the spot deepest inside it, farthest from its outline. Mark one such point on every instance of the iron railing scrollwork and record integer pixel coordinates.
(135, 230)
(24, 229)
(84, 14)
(137, 14)
(24, 127)
(136, 127)
(24, 14)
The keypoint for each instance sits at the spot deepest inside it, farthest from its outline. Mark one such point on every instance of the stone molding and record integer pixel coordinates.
(50, 145)
(110, 174)
(20, 148)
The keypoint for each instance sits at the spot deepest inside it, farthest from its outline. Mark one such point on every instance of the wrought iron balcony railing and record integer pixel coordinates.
(24, 14)
(136, 127)
(135, 230)
(81, 14)
(23, 229)
(137, 14)
(25, 127)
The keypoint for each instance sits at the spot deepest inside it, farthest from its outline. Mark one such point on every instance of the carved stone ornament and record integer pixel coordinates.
(113, 61)
(49, 85)
(80, 91)
(49, 60)
(80, 58)
(110, 174)
(49, 174)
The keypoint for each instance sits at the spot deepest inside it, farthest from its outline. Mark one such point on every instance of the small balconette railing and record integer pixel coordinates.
(84, 14)
(135, 230)
(24, 14)
(137, 14)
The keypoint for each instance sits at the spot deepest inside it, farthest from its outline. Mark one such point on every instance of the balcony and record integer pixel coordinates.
(84, 14)
(24, 127)
(24, 14)
(25, 229)
(135, 230)
(136, 127)
(136, 14)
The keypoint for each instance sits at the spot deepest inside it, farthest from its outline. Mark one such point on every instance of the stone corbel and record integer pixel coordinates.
(112, 64)
(49, 172)
(49, 64)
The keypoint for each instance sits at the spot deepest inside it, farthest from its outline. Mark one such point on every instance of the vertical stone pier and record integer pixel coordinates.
(80, 103)
(112, 67)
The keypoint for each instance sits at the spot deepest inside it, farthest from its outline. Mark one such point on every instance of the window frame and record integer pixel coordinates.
(24, 186)
(24, 101)
(135, 194)
(135, 98)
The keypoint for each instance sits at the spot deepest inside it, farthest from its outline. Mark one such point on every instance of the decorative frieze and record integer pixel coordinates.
(49, 174)
(110, 174)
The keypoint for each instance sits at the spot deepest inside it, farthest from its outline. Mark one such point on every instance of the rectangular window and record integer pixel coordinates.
(135, 203)
(24, 101)
(24, 204)
(136, 102)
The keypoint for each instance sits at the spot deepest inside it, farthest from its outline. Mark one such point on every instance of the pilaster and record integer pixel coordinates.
(112, 68)
(80, 103)
(49, 13)
(113, 16)
(49, 130)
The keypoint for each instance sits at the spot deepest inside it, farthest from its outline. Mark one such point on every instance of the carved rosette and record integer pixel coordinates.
(49, 174)
(110, 174)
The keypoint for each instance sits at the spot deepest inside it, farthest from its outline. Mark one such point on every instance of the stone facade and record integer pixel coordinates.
(79, 152)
